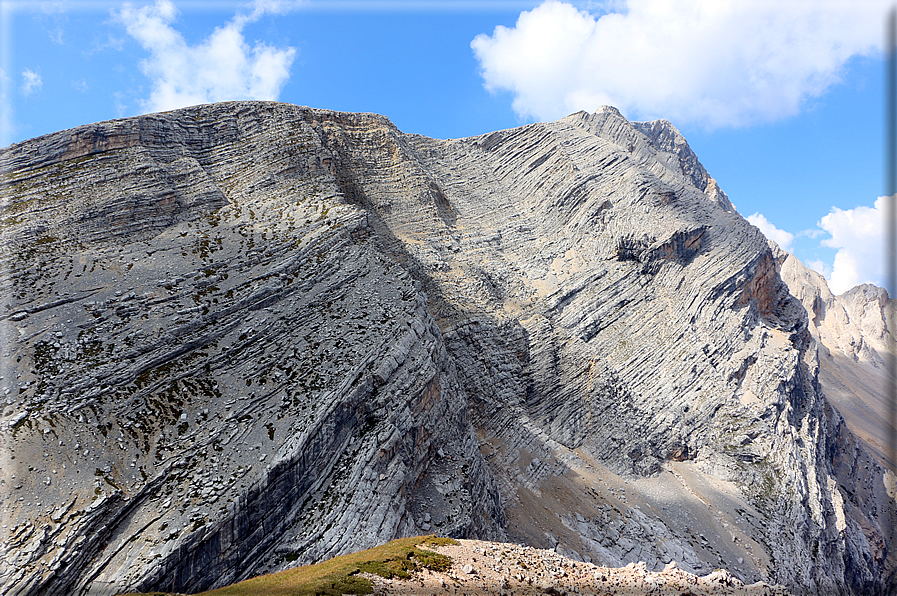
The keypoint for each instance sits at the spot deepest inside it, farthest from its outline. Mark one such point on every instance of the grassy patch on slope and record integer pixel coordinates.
(340, 575)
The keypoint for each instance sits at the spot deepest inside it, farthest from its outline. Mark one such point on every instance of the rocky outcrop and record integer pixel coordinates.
(251, 335)
(481, 568)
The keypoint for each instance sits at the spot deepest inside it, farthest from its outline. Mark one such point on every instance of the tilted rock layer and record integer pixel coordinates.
(246, 336)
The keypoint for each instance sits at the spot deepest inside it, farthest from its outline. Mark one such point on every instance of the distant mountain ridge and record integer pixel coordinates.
(250, 335)
(853, 330)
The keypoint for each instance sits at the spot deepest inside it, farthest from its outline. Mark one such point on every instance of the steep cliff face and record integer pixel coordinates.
(250, 335)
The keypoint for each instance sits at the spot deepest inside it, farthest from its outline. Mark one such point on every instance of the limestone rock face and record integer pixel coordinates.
(245, 336)
(214, 371)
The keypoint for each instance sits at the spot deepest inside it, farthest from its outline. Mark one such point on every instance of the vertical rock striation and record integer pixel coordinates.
(251, 335)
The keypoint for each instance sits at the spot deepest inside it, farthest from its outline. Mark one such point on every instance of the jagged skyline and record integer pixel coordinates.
(795, 142)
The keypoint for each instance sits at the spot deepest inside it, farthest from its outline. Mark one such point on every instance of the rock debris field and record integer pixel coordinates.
(481, 567)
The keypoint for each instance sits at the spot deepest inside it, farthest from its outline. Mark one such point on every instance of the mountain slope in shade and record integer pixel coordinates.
(251, 335)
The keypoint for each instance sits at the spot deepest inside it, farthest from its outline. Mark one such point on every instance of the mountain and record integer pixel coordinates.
(245, 336)
(415, 566)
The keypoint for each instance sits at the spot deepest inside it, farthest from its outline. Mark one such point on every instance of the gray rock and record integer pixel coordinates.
(362, 325)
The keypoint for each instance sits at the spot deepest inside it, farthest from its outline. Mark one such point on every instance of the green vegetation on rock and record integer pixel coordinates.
(340, 575)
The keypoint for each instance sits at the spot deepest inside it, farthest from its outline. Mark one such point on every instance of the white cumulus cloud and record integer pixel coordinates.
(223, 67)
(780, 237)
(713, 62)
(858, 234)
(31, 81)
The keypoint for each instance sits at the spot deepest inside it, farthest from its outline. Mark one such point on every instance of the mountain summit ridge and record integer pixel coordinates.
(250, 335)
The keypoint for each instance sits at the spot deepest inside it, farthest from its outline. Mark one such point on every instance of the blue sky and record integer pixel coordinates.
(782, 102)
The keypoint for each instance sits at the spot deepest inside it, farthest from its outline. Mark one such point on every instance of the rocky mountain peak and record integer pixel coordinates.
(252, 335)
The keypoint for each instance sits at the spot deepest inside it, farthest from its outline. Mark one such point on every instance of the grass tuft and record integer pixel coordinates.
(340, 575)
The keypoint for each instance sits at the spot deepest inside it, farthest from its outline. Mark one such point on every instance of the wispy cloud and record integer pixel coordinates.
(858, 236)
(56, 35)
(821, 267)
(121, 107)
(111, 42)
(713, 62)
(52, 8)
(811, 233)
(53, 16)
(222, 67)
(780, 237)
(31, 81)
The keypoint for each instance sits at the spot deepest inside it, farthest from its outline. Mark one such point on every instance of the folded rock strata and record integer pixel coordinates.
(245, 336)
